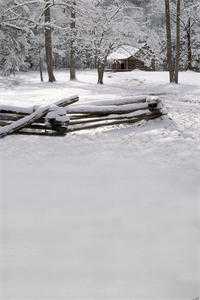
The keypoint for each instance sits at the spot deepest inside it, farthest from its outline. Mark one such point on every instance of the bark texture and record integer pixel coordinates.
(100, 69)
(169, 41)
(178, 41)
(189, 46)
(48, 43)
(72, 41)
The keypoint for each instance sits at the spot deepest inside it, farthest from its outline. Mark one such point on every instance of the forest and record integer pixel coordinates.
(99, 149)
(80, 34)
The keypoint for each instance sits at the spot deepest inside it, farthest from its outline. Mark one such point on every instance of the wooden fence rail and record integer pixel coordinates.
(67, 115)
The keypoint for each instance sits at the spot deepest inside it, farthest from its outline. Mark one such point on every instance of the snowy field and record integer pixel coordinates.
(104, 214)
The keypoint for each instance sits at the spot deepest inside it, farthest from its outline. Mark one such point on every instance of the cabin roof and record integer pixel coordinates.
(123, 52)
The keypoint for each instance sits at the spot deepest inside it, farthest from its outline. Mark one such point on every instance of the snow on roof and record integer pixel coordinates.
(123, 52)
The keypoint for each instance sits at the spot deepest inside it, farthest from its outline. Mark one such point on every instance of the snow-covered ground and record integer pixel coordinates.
(103, 214)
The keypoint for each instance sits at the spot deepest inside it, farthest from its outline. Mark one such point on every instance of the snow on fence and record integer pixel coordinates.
(63, 117)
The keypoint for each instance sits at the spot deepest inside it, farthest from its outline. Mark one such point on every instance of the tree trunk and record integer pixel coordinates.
(178, 16)
(100, 69)
(101, 63)
(41, 65)
(48, 42)
(72, 46)
(111, 109)
(41, 72)
(189, 47)
(169, 41)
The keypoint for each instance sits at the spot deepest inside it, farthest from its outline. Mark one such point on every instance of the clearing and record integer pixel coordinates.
(111, 213)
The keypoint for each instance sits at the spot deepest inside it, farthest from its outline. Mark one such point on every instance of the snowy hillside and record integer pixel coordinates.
(111, 213)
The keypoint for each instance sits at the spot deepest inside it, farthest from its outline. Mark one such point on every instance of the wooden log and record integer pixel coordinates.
(154, 103)
(39, 126)
(67, 101)
(106, 110)
(58, 120)
(14, 117)
(122, 107)
(57, 130)
(85, 119)
(89, 119)
(23, 122)
(33, 131)
(44, 129)
(10, 116)
(94, 125)
(54, 120)
(117, 102)
(16, 110)
(7, 118)
(81, 117)
(4, 123)
(21, 111)
(78, 112)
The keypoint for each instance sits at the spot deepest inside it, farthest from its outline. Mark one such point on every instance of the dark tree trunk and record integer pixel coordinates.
(169, 41)
(48, 43)
(189, 46)
(100, 69)
(41, 64)
(41, 72)
(178, 16)
(72, 46)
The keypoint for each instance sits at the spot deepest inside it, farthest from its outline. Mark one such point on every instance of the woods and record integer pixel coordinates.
(78, 34)
(99, 149)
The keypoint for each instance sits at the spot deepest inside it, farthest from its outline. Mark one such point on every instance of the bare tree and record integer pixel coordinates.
(48, 42)
(178, 16)
(72, 40)
(169, 41)
(100, 69)
(173, 64)
(189, 45)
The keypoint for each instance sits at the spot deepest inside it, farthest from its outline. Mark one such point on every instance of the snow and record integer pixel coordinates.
(57, 113)
(108, 213)
(19, 124)
(12, 108)
(107, 108)
(123, 52)
(127, 100)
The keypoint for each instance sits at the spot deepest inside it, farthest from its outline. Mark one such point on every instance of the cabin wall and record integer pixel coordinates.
(129, 64)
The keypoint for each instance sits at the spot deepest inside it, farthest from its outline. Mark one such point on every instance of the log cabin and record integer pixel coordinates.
(128, 58)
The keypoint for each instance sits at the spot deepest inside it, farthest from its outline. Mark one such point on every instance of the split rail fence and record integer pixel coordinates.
(67, 115)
